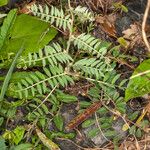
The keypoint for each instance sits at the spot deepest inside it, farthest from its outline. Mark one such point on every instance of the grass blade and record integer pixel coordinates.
(9, 74)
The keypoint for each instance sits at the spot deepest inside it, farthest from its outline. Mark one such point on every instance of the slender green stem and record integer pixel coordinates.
(93, 80)
(70, 36)
(46, 98)
(71, 28)
(40, 59)
(9, 74)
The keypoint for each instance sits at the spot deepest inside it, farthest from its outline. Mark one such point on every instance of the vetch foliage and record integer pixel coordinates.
(102, 117)
(50, 55)
(90, 44)
(59, 67)
(83, 14)
(53, 16)
(50, 68)
(38, 82)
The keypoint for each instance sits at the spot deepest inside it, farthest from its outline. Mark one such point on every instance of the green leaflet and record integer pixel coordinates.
(3, 2)
(54, 134)
(34, 32)
(93, 132)
(58, 120)
(66, 98)
(88, 123)
(139, 83)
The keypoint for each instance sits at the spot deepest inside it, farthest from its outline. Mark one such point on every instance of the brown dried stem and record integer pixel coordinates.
(144, 25)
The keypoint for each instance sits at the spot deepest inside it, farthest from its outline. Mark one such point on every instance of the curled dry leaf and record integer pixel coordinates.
(79, 88)
(134, 35)
(26, 8)
(107, 24)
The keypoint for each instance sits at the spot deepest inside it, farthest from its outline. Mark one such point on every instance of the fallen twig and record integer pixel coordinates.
(83, 116)
(144, 24)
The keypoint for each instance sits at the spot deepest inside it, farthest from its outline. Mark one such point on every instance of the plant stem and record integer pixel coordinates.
(9, 74)
(71, 27)
(46, 98)
(70, 35)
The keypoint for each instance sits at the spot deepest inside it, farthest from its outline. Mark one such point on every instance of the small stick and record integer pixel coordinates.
(83, 116)
(144, 24)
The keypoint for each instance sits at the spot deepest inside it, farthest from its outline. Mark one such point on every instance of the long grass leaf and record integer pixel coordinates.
(9, 74)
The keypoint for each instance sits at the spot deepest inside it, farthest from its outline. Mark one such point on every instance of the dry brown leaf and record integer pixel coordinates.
(133, 34)
(46, 141)
(79, 88)
(107, 24)
(26, 8)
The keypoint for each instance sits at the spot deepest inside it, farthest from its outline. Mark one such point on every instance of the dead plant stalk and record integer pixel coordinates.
(144, 25)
